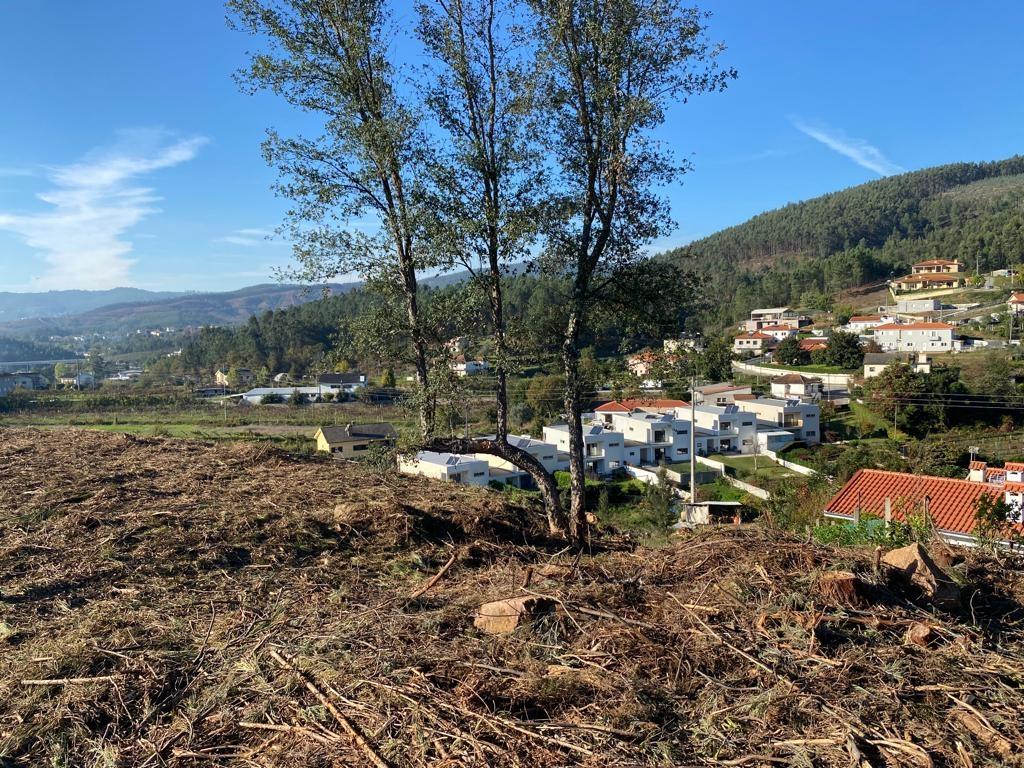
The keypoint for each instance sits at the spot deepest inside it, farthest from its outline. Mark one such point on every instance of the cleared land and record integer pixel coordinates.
(185, 603)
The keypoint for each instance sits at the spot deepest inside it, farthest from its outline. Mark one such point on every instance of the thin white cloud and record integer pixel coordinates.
(92, 205)
(248, 238)
(860, 151)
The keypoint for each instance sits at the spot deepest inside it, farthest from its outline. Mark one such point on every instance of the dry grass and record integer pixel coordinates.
(199, 604)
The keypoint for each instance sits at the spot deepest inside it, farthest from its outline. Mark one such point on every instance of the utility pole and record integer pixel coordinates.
(693, 439)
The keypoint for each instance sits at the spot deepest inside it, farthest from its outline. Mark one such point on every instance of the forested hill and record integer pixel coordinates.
(806, 252)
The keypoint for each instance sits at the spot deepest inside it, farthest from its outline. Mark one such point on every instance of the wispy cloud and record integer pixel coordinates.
(860, 151)
(248, 238)
(92, 205)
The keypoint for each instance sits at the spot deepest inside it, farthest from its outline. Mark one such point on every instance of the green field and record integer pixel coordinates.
(743, 468)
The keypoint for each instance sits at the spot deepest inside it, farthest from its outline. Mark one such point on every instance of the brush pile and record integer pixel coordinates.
(168, 602)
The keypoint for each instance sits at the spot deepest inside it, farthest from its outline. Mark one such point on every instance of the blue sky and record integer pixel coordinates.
(129, 157)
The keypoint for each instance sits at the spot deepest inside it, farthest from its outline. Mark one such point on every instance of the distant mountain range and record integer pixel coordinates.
(25, 306)
(128, 309)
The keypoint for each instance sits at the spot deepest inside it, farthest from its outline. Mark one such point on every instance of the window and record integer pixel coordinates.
(360, 447)
(547, 458)
(479, 474)
(613, 445)
(810, 433)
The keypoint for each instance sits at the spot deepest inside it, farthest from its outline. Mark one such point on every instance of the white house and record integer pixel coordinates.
(508, 473)
(752, 343)
(735, 430)
(779, 332)
(604, 449)
(915, 337)
(796, 385)
(349, 382)
(802, 419)
(463, 367)
(453, 467)
(1016, 303)
(257, 395)
(861, 323)
(876, 362)
(918, 306)
(80, 380)
(652, 438)
(773, 316)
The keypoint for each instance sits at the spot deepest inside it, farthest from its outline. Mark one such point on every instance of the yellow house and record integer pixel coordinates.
(353, 440)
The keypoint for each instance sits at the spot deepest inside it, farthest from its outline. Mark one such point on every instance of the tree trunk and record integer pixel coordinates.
(557, 523)
(574, 419)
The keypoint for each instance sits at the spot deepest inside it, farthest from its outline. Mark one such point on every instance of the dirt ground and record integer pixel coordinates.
(175, 602)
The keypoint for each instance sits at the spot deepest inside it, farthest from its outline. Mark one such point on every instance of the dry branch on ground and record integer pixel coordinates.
(170, 602)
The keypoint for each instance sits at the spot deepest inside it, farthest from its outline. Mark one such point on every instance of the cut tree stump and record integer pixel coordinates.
(503, 616)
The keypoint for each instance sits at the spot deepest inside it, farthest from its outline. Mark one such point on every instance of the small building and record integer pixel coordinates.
(918, 306)
(796, 385)
(80, 380)
(936, 267)
(813, 344)
(508, 473)
(642, 363)
(862, 323)
(223, 375)
(876, 362)
(452, 467)
(948, 503)
(915, 337)
(708, 512)
(753, 343)
(774, 440)
(7, 383)
(1016, 303)
(774, 316)
(722, 393)
(30, 380)
(346, 383)
(257, 395)
(353, 441)
(779, 332)
(930, 281)
(463, 367)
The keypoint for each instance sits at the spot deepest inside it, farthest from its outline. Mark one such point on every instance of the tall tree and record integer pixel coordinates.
(331, 58)
(612, 67)
(486, 180)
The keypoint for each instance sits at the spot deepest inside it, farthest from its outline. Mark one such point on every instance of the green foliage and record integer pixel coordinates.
(869, 531)
(789, 353)
(997, 521)
(860, 235)
(843, 351)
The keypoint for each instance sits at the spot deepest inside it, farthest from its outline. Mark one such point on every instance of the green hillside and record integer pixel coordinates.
(806, 252)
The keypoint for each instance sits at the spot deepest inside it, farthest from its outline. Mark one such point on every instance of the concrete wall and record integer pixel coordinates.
(829, 380)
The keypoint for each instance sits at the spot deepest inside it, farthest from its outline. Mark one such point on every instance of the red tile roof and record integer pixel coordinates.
(865, 318)
(914, 327)
(935, 262)
(951, 502)
(1016, 298)
(754, 335)
(778, 328)
(931, 277)
(744, 396)
(626, 406)
(1014, 466)
(977, 465)
(809, 345)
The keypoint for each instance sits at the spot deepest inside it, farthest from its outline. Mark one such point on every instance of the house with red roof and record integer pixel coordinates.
(1016, 303)
(950, 504)
(753, 343)
(779, 332)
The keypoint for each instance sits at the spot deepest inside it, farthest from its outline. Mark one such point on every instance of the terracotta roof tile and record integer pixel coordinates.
(626, 406)
(977, 465)
(952, 503)
(1014, 466)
